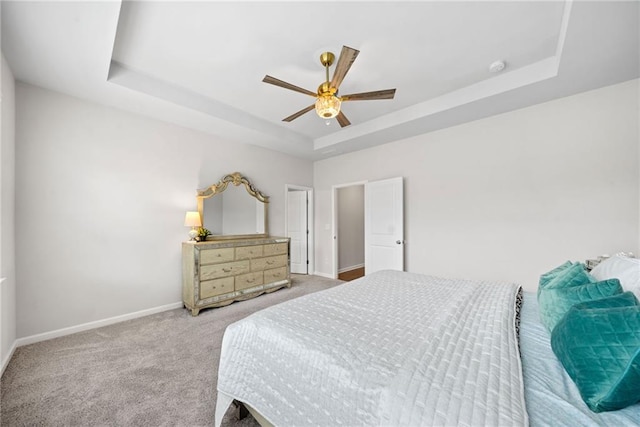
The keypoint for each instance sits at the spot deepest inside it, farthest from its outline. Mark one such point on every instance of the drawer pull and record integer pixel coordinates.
(270, 262)
(227, 270)
(251, 280)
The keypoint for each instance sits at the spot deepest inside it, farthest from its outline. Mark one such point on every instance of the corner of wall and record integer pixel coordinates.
(8, 319)
(638, 139)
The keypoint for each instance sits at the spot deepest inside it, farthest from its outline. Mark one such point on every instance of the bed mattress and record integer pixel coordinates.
(391, 348)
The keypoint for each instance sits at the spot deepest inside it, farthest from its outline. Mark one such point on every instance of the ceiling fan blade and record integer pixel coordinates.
(367, 96)
(299, 113)
(347, 56)
(342, 119)
(278, 82)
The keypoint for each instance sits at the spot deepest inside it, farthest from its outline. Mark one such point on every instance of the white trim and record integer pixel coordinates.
(6, 360)
(311, 250)
(352, 267)
(564, 26)
(96, 324)
(328, 276)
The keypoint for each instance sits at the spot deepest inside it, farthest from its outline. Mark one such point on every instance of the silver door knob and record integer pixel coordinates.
(398, 242)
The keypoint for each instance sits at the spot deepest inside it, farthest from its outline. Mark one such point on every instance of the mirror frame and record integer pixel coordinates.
(236, 179)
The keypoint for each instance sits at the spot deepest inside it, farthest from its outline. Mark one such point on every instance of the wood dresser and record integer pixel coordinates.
(217, 273)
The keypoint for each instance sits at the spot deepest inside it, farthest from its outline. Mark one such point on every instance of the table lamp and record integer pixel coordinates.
(192, 219)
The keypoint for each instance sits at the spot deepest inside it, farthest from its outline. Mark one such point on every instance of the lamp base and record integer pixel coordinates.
(193, 233)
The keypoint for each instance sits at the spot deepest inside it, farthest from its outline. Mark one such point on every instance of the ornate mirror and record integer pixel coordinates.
(228, 211)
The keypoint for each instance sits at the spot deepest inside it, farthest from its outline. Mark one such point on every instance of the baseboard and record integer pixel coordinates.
(6, 360)
(353, 267)
(328, 276)
(93, 325)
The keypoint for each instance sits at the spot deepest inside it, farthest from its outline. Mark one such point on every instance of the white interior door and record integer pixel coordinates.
(383, 225)
(297, 230)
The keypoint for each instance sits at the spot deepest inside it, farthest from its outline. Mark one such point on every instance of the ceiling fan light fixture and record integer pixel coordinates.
(328, 106)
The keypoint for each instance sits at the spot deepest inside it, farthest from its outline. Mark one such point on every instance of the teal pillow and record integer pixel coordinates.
(573, 275)
(555, 302)
(549, 275)
(565, 276)
(546, 277)
(624, 299)
(598, 343)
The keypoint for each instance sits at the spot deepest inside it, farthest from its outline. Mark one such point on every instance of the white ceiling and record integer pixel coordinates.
(201, 64)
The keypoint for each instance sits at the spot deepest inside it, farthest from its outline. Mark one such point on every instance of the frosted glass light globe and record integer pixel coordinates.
(328, 106)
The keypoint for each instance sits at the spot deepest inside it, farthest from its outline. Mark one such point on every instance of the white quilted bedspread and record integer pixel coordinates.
(390, 349)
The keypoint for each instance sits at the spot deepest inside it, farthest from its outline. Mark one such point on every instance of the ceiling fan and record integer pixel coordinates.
(328, 102)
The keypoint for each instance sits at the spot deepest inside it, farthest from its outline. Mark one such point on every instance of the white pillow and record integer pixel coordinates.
(625, 269)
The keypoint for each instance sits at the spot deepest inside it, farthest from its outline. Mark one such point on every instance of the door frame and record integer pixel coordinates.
(310, 225)
(334, 223)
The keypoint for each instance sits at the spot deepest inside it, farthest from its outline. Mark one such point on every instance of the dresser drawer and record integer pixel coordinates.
(275, 274)
(276, 249)
(211, 288)
(211, 256)
(249, 280)
(244, 252)
(215, 271)
(268, 262)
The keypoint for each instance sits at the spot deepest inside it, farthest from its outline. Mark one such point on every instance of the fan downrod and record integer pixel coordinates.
(325, 89)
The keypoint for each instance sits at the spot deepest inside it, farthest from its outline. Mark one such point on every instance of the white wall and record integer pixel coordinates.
(101, 196)
(350, 227)
(510, 196)
(7, 225)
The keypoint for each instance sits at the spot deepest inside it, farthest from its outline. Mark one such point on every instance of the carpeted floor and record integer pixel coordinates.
(160, 370)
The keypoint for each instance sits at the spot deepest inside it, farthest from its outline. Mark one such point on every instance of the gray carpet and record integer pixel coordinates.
(159, 370)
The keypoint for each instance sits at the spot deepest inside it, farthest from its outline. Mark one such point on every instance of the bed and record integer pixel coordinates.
(396, 348)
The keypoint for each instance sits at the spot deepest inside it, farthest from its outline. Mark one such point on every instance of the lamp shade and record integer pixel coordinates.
(192, 219)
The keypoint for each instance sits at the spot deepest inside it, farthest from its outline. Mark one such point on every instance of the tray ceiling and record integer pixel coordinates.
(200, 64)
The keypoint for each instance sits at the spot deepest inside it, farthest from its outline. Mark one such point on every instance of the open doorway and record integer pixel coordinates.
(299, 227)
(349, 231)
(382, 215)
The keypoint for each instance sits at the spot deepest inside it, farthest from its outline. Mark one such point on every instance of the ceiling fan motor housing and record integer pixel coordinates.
(325, 89)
